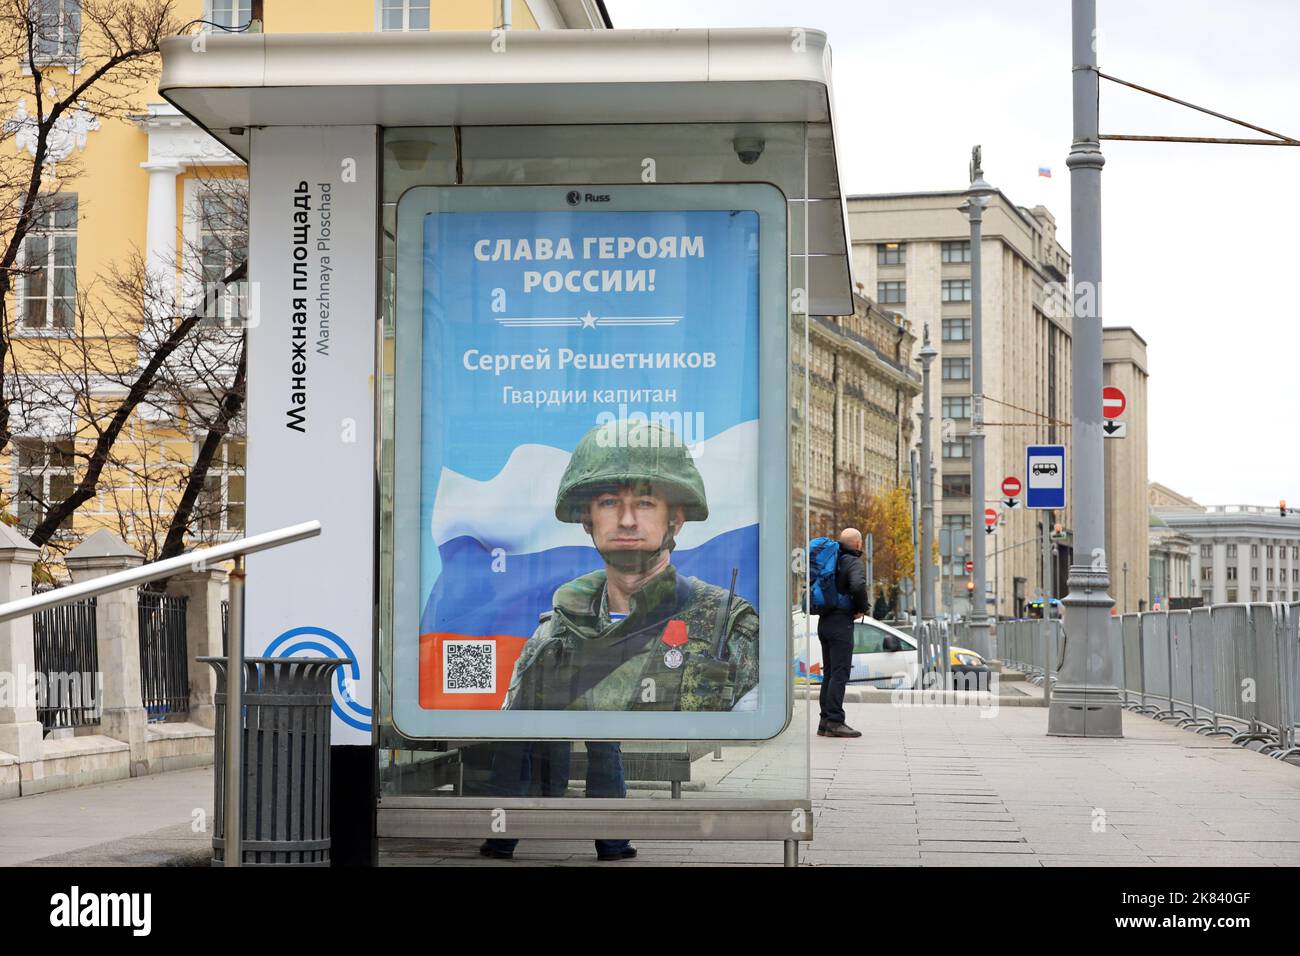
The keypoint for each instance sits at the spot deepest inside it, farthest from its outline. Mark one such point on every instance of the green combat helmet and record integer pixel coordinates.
(623, 452)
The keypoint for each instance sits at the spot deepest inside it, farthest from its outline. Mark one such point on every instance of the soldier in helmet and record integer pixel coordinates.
(636, 635)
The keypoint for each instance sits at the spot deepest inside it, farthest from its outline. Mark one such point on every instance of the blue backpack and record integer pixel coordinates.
(823, 559)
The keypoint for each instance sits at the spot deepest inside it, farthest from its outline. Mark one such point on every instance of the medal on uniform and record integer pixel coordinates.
(674, 636)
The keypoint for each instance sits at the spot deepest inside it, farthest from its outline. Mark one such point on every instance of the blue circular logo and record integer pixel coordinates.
(328, 644)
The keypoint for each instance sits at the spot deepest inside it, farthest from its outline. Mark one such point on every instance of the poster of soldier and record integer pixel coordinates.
(589, 442)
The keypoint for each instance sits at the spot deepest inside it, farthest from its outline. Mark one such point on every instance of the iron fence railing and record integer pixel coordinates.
(68, 678)
(164, 655)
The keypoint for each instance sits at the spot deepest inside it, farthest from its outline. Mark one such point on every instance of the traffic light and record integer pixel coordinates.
(1281, 506)
(970, 585)
(1058, 531)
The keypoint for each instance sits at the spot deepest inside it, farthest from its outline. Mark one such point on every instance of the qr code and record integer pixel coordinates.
(469, 667)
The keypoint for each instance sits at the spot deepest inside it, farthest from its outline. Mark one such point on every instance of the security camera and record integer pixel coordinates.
(748, 149)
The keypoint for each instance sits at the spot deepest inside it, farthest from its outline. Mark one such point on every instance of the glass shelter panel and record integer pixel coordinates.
(436, 739)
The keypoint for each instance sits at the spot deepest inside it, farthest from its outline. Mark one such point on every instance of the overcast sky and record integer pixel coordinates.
(1196, 257)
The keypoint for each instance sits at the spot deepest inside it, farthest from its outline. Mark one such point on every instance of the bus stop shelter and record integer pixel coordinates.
(373, 158)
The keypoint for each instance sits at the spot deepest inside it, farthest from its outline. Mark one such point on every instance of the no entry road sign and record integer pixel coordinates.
(970, 567)
(990, 516)
(1113, 402)
(1011, 486)
(1045, 474)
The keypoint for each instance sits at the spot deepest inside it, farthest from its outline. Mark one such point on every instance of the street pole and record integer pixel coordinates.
(916, 541)
(1085, 702)
(977, 197)
(233, 834)
(926, 356)
(1048, 593)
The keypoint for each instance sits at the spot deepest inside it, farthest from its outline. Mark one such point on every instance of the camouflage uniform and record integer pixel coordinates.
(579, 658)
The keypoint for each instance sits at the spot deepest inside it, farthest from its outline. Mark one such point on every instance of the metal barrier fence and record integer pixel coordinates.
(164, 655)
(933, 638)
(1229, 670)
(67, 656)
(1034, 647)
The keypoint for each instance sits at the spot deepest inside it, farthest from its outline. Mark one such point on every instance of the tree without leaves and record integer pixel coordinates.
(114, 44)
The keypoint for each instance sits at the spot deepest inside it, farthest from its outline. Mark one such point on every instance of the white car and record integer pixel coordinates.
(882, 656)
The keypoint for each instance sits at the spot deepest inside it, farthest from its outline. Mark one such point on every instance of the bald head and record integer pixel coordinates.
(851, 538)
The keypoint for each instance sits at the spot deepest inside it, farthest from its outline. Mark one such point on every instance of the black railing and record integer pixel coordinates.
(164, 655)
(67, 666)
(225, 625)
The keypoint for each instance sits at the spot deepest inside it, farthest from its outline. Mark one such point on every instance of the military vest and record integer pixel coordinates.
(578, 661)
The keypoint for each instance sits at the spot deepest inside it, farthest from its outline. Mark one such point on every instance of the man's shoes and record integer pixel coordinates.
(624, 854)
(496, 854)
(821, 727)
(840, 730)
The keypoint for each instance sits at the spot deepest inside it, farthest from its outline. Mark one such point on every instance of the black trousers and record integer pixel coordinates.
(837, 662)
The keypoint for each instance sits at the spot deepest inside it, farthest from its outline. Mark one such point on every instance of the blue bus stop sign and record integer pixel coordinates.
(1045, 476)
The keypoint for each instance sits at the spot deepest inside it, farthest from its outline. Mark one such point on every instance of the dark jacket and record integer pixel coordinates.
(850, 579)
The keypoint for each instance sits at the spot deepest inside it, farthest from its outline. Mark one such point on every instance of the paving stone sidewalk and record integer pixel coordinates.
(945, 786)
(924, 786)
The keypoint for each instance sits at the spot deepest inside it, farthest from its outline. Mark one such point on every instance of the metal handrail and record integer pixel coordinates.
(158, 569)
(195, 560)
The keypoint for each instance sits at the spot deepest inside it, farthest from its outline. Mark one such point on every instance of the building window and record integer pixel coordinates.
(1254, 551)
(1269, 575)
(57, 30)
(44, 476)
(956, 251)
(1207, 551)
(956, 290)
(891, 293)
(1270, 551)
(957, 449)
(221, 505)
(956, 406)
(1254, 574)
(956, 486)
(1232, 550)
(956, 369)
(1295, 553)
(47, 284)
(956, 330)
(1254, 594)
(1232, 596)
(223, 245)
(891, 253)
(229, 14)
(403, 16)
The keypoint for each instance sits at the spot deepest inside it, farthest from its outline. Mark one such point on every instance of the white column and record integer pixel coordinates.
(1220, 583)
(117, 627)
(160, 235)
(202, 635)
(20, 732)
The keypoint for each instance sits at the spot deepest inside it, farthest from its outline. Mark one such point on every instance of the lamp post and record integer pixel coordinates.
(926, 356)
(1085, 702)
(977, 197)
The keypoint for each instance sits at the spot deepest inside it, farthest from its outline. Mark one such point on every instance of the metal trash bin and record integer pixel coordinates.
(286, 757)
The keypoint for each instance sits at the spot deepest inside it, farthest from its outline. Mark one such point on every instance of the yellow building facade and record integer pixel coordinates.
(147, 211)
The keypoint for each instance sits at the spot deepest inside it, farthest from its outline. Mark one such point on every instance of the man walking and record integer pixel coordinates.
(835, 631)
